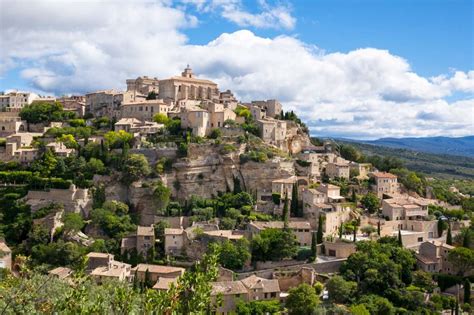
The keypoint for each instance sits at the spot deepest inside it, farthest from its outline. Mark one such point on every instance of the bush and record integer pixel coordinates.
(215, 133)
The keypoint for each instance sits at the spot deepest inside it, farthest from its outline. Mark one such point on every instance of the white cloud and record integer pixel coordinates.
(65, 47)
(270, 16)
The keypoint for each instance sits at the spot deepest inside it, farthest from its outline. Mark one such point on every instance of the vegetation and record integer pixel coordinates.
(45, 112)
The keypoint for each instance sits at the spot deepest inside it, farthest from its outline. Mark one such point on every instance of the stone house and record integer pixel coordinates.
(102, 266)
(432, 257)
(339, 248)
(133, 125)
(14, 101)
(156, 272)
(302, 229)
(164, 284)
(230, 292)
(385, 183)
(11, 123)
(144, 109)
(271, 108)
(284, 187)
(143, 85)
(95, 259)
(5, 256)
(402, 208)
(74, 103)
(18, 147)
(272, 131)
(61, 272)
(338, 170)
(187, 86)
(175, 240)
(202, 119)
(261, 288)
(60, 149)
(142, 240)
(107, 102)
(362, 168)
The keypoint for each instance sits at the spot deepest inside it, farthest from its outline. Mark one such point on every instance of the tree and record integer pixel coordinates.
(377, 305)
(423, 280)
(135, 167)
(449, 237)
(462, 259)
(285, 212)
(370, 202)
(215, 133)
(161, 196)
(274, 245)
(319, 235)
(354, 196)
(314, 248)
(359, 309)
(467, 291)
(258, 307)
(117, 139)
(400, 242)
(152, 96)
(234, 255)
(44, 112)
(294, 201)
(302, 300)
(73, 222)
(378, 227)
(340, 290)
(68, 140)
(161, 118)
(368, 229)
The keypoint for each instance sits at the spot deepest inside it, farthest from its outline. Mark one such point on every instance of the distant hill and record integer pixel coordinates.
(463, 146)
(435, 165)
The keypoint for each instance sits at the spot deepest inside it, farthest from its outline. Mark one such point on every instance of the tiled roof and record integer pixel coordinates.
(254, 282)
(158, 269)
(384, 175)
(164, 283)
(170, 231)
(279, 225)
(228, 287)
(145, 231)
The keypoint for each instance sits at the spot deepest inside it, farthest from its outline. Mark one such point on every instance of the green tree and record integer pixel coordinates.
(359, 309)
(370, 202)
(441, 227)
(462, 258)
(45, 164)
(314, 249)
(424, 281)
(467, 291)
(302, 300)
(161, 196)
(319, 235)
(377, 305)
(258, 307)
(161, 118)
(274, 244)
(135, 167)
(68, 141)
(73, 222)
(285, 212)
(295, 211)
(400, 241)
(234, 255)
(340, 290)
(117, 139)
(44, 112)
(449, 237)
(215, 133)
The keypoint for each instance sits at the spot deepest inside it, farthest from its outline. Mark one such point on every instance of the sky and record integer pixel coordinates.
(361, 69)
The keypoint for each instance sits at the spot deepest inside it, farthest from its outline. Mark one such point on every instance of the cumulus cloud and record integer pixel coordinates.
(77, 47)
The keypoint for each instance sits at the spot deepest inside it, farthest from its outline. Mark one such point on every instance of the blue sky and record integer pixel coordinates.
(341, 64)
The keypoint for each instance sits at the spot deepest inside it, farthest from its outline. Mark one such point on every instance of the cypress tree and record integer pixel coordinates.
(294, 200)
(466, 240)
(467, 291)
(440, 227)
(285, 212)
(400, 243)
(314, 250)
(378, 228)
(355, 234)
(237, 187)
(354, 196)
(340, 231)
(319, 236)
(449, 237)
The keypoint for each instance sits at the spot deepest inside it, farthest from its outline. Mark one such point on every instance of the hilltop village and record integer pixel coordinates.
(136, 186)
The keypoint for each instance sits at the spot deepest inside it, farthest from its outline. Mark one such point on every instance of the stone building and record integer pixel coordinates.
(284, 187)
(143, 85)
(362, 168)
(339, 248)
(142, 241)
(272, 108)
(432, 257)
(175, 240)
(338, 170)
(385, 183)
(133, 125)
(202, 119)
(272, 131)
(102, 266)
(405, 208)
(5, 256)
(302, 229)
(14, 101)
(187, 86)
(74, 103)
(144, 109)
(155, 272)
(60, 149)
(107, 102)
(11, 123)
(19, 148)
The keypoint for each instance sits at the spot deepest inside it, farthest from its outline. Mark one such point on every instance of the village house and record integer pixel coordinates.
(102, 266)
(227, 98)
(18, 147)
(432, 257)
(11, 123)
(338, 248)
(143, 85)
(107, 102)
(141, 241)
(405, 208)
(202, 119)
(155, 272)
(5, 256)
(272, 131)
(187, 86)
(144, 109)
(271, 108)
(74, 103)
(61, 273)
(60, 149)
(302, 229)
(284, 187)
(338, 170)
(133, 125)
(175, 239)
(14, 101)
(385, 183)
(252, 288)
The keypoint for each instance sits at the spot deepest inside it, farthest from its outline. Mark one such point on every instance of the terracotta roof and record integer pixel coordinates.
(384, 175)
(61, 272)
(158, 269)
(279, 225)
(254, 282)
(170, 231)
(228, 287)
(164, 283)
(185, 79)
(145, 230)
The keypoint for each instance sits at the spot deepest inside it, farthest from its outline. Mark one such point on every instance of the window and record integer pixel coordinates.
(420, 239)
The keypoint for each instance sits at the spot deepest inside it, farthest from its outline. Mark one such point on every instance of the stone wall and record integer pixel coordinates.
(74, 199)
